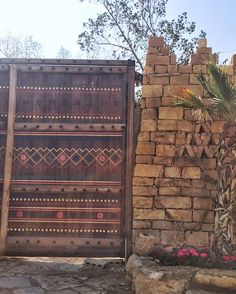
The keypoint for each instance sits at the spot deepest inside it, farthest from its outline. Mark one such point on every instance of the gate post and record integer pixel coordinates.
(8, 158)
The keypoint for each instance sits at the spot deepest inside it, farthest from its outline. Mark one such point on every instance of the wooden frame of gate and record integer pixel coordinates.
(121, 126)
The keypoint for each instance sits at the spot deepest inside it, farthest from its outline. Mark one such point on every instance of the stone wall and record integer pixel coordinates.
(174, 183)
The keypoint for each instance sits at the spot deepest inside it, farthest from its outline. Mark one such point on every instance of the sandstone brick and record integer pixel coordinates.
(191, 173)
(198, 183)
(207, 163)
(142, 202)
(185, 126)
(210, 174)
(148, 159)
(152, 91)
(173, 202)
(145, 148)
(172, 238)
(148, 125)
(160, 69)
(192, 226)
(217, 126)
(182, 79)
(156, 41)
(188, 115)
(142, 181)
(199, 68)
(163, 160)
(182, 183)
(202, 43)
(214, 193)
(169, 191)
(143, 136)
(163, 137)
(195, 192)
(172, 68)
(177, 90)
(203, 216)
(181, 139)
(150, 113)
(153, 102)
(162, 225)
(198, 58)
(197, 238)
(148, 170)
(185, 68)
(194, 80)
(153, 59)
(148, 214)
(166, 150)
(171, 113)
(173, 59)
(140, 224)
(159, 80)
(182, 161)
(207, 227)
(206, 50)
(167, 125)
(202, 203)
(168, 101)
(143, 104)
(163, 182)
(164, 51)
(144, 191)
(172, 172)
(148, 69)
(180, 215)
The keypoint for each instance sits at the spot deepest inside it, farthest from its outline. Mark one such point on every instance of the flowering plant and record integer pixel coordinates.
(195, 257)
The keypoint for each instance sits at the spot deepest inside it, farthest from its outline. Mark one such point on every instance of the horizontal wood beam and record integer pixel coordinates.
(68, 127)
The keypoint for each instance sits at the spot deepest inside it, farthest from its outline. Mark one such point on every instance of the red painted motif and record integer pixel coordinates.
(60, 214)
(19, 214)
(100, 215)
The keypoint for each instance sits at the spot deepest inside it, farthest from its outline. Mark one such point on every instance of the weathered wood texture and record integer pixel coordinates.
(8, 160)
(72, 168)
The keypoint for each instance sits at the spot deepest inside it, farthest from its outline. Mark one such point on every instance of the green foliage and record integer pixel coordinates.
(125, 26)
(222, 96)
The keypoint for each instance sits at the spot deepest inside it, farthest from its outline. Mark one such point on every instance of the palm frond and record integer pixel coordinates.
(201, 111)
(222, 93)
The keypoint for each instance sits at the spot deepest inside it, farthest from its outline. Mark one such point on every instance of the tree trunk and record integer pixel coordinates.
(223, 229)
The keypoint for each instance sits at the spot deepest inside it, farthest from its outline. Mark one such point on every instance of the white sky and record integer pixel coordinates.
(56, 23)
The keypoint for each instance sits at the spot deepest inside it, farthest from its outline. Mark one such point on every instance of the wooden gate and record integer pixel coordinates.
(66, 130)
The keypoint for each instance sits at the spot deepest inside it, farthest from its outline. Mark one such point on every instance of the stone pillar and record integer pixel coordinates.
(175, 175)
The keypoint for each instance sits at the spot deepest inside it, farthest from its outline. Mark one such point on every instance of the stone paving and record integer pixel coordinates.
(42, 275)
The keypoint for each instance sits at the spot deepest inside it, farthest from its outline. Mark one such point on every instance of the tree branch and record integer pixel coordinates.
(125, 38)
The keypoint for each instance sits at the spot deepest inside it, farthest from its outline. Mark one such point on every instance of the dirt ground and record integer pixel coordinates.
(39, 275)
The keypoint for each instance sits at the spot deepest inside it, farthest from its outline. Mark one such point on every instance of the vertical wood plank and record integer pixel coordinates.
(8, 158)
(129, 161)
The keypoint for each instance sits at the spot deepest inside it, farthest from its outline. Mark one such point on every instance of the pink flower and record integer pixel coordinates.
(203, 254)
(226, 258)
(180, 254)
(193, 252)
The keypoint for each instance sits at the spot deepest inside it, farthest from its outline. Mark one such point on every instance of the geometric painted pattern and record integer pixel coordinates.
(58, 157)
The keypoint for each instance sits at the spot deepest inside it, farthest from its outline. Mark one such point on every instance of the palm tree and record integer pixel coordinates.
(221, 105)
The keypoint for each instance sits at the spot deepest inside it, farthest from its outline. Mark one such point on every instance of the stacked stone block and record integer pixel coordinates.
(174, 183)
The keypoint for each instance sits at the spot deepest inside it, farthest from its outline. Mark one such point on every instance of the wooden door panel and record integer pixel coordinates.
(69, 178)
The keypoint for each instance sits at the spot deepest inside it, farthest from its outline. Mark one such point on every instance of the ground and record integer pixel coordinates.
(42, 275)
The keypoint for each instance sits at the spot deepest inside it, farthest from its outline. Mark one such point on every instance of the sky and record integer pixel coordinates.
(56, 23)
